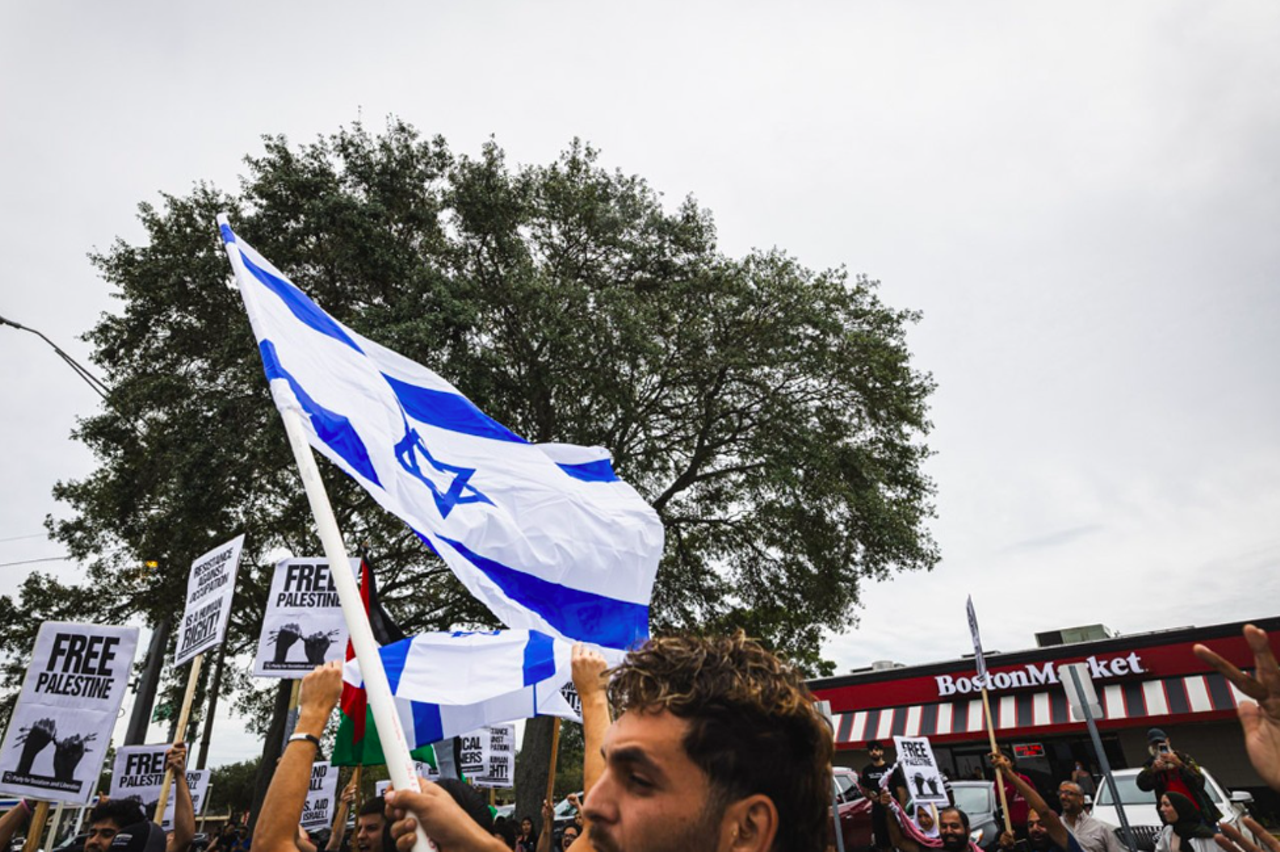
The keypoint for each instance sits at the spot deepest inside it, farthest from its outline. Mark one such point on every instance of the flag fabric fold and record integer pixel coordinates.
(545, 535)
(458, 682)
(357, 743)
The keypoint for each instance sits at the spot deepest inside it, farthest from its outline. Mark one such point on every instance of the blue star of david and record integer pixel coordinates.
(454, 479)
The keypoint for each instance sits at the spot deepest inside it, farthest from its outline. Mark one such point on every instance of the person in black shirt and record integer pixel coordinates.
(869, 779)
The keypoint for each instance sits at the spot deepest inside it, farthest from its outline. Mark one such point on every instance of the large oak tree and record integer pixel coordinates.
(769, 412)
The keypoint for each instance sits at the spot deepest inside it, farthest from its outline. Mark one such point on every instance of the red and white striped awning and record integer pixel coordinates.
(1200, 696)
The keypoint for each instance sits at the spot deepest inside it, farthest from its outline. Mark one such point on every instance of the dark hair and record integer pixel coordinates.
(506, 830)
(875, 745)
(470, 800)
(753, 727)
(376, 805)
(964, 817)
(120, 811)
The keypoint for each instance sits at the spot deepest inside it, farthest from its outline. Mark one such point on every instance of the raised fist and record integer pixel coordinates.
(67, 757)
(35, 740)
(316, 645)
(285, 638)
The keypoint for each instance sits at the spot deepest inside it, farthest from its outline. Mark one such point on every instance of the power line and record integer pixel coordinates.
(21, 537)
(34, 561)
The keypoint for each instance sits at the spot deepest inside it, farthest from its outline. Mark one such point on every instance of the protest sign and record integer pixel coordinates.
(303, 625)
(138, 773)
(322, 794)
(61, 726)
(209, 589)
(920, 769)
(489, 756)
(979, 661)
(420, 770)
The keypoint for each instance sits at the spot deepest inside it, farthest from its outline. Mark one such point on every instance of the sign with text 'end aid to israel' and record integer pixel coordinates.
(61, 726)
(303, 626)
(210, 586)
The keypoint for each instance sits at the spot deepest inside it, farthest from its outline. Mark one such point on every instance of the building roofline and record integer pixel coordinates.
(1125, 642)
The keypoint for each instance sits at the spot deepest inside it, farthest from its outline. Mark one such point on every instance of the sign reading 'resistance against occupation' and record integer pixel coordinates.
(209, 589)
(303, 625)
(138, 773)
(61, 726)
(322, 792)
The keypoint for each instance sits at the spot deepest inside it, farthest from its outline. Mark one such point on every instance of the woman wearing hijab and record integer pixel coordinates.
(1184, 829)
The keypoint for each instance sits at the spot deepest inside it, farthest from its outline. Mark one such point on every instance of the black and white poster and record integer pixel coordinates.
(303, 625)
(920, 769)
(138, 773)
(322, 794)
(61, 726)
(489, 756)
(209, 589)
(421, 769)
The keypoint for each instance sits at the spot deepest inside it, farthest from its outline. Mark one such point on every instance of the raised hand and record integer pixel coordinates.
(285, 638)
(67, 756)
(317, 644)
(35, 740)
(1237, 841)
(1260, 718)
(589, 668)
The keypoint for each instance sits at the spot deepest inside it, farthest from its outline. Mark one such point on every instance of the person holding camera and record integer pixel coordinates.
(1169, 771)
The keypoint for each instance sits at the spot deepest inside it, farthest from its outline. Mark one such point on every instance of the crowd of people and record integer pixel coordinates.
(717, 745)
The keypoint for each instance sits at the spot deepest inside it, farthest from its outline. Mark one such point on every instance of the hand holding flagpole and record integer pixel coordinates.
(981, 664)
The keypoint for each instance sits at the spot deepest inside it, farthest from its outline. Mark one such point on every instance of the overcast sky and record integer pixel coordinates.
(1083, 201)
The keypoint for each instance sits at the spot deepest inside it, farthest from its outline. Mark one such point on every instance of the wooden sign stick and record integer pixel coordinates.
(183, 718)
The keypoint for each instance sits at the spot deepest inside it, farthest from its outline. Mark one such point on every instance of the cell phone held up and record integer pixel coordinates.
(1163, 748)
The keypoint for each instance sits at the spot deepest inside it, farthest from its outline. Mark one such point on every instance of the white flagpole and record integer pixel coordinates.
(394, 746)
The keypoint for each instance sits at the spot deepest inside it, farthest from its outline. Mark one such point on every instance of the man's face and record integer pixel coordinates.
(651, 797)
(1036, 832)
(368, 833)
(101, 833)
(877, 754)
(1071, 798)
(951, 830)
(570, 835)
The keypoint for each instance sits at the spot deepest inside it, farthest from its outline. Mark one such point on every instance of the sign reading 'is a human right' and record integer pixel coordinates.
(210, 586)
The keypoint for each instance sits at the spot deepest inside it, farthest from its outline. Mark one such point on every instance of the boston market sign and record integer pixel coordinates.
(1101, 667)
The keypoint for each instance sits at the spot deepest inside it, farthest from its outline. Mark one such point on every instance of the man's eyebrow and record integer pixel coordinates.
(632, 755)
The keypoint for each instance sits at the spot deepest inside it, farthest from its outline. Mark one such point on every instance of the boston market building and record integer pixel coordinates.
(1143, 680)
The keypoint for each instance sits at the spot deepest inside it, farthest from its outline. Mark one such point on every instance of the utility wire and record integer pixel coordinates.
(21, 537)
(34, 561)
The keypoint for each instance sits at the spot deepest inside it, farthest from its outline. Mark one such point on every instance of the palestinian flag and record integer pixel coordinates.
(358, 743)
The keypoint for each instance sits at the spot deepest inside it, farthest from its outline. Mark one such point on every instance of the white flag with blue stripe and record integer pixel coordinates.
(545, 535)
(452, 683)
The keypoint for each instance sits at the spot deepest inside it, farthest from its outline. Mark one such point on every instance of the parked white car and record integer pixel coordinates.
(1140, 806)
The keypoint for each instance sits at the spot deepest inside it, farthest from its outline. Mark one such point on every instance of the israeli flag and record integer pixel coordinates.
(546, 535)
(447, 684)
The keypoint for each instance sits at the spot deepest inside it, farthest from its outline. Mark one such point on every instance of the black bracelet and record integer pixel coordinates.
(310, 738)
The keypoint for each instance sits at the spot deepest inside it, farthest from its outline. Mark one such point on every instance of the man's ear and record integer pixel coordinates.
(749, 825)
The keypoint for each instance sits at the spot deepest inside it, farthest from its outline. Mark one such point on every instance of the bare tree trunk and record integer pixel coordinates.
(212, 711)
(533, 768)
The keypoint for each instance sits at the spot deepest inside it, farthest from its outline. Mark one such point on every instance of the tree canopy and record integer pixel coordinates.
(769, 412)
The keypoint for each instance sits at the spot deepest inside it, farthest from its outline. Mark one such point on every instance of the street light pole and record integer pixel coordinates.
(89, 378)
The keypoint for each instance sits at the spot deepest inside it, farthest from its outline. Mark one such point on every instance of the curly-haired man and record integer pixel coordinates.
(718, 747)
